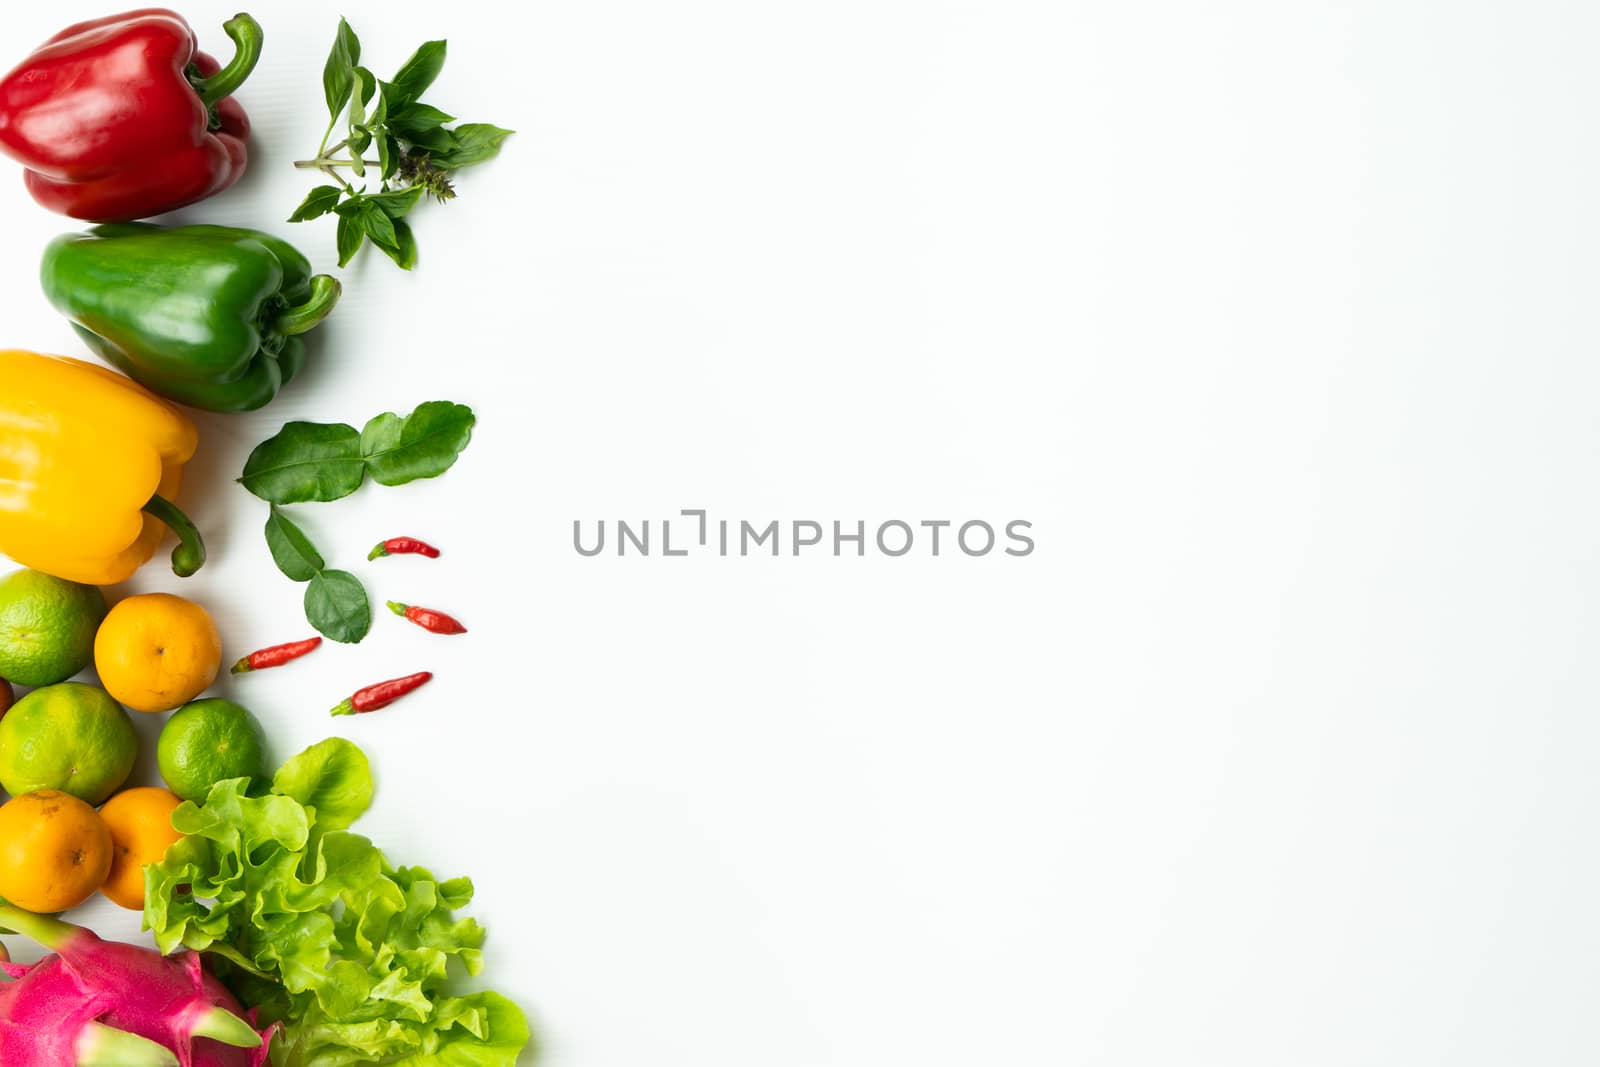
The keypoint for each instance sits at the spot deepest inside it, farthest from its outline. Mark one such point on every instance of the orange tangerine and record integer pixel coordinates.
(157, 651)
(140, 821)
(55, 851)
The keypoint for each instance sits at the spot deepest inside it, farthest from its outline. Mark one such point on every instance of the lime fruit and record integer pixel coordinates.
(47, 627)
(207, 741)
(72, 737)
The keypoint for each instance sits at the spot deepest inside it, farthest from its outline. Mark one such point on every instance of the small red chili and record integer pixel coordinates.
(382, 694)
(435, 622)
(403, 546)
(276, 656)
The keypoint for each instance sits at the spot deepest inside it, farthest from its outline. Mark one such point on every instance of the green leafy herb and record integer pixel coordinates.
(336, 602)
(418, 151)
(336, 605)
(416, 74)
(474, 143)
(338, 74)
(308, 461)
(314, 927)
(424, 444)
(318, 202)
(291, 549)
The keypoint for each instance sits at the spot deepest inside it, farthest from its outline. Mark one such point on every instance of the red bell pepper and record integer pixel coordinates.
(121, 118)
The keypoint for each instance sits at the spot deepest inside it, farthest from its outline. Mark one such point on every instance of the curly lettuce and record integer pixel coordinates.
(312, 926)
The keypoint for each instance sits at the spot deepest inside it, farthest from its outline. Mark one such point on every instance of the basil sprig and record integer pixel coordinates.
(418, 152)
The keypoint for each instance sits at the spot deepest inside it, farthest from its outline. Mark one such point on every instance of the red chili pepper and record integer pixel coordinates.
(276, 656)
(381, 695)
(435, 622)
(403, 546)
(122, 118)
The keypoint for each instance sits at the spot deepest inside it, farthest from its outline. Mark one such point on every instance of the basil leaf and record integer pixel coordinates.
(425, 444)
(378, 225)
(338, 74)
(475, 142)
(378, 120)
(318, 202)
(388, 156)
(398, 202)
(306, 461)
(336, 606)
(405, 253)
(417, 116)
(435, 140)
(416, 74)
(350, 237)
(291, 549)
(359, 136)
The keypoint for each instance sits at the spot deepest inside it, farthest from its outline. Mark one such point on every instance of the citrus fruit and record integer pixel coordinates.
(206, 742)
(157, 651)
(54, 851)
(69, 736)
(140, 821)
(47, 627)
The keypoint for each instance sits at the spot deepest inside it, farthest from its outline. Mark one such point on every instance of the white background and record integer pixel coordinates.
(1272, 317)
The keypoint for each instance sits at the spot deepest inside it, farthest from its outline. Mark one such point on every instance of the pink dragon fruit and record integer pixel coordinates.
(105, 1004)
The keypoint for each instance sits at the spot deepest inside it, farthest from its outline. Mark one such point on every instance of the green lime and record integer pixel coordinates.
(47, 627)
(72, 737)
(207, 741)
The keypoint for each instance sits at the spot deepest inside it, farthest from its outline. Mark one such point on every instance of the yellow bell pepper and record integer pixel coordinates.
(89, 465)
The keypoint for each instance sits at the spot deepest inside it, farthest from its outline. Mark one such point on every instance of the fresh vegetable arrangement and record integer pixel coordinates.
(279, 934)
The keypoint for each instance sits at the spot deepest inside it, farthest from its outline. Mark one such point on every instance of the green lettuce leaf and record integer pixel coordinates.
(332, 777)
(312, 926)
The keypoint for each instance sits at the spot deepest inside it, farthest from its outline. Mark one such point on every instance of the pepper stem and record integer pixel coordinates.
(397, 607)
(190, 555)
(325, 290)
(245, 32)
(42, 928)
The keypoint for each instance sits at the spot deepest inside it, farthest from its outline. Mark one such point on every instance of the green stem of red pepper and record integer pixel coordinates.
(245, 32)
(325, 291)
(190, 555)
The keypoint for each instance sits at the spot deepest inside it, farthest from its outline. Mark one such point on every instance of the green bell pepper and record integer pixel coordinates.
(208, 316)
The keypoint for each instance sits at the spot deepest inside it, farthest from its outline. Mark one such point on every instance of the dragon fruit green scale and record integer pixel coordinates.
(101, 1003)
